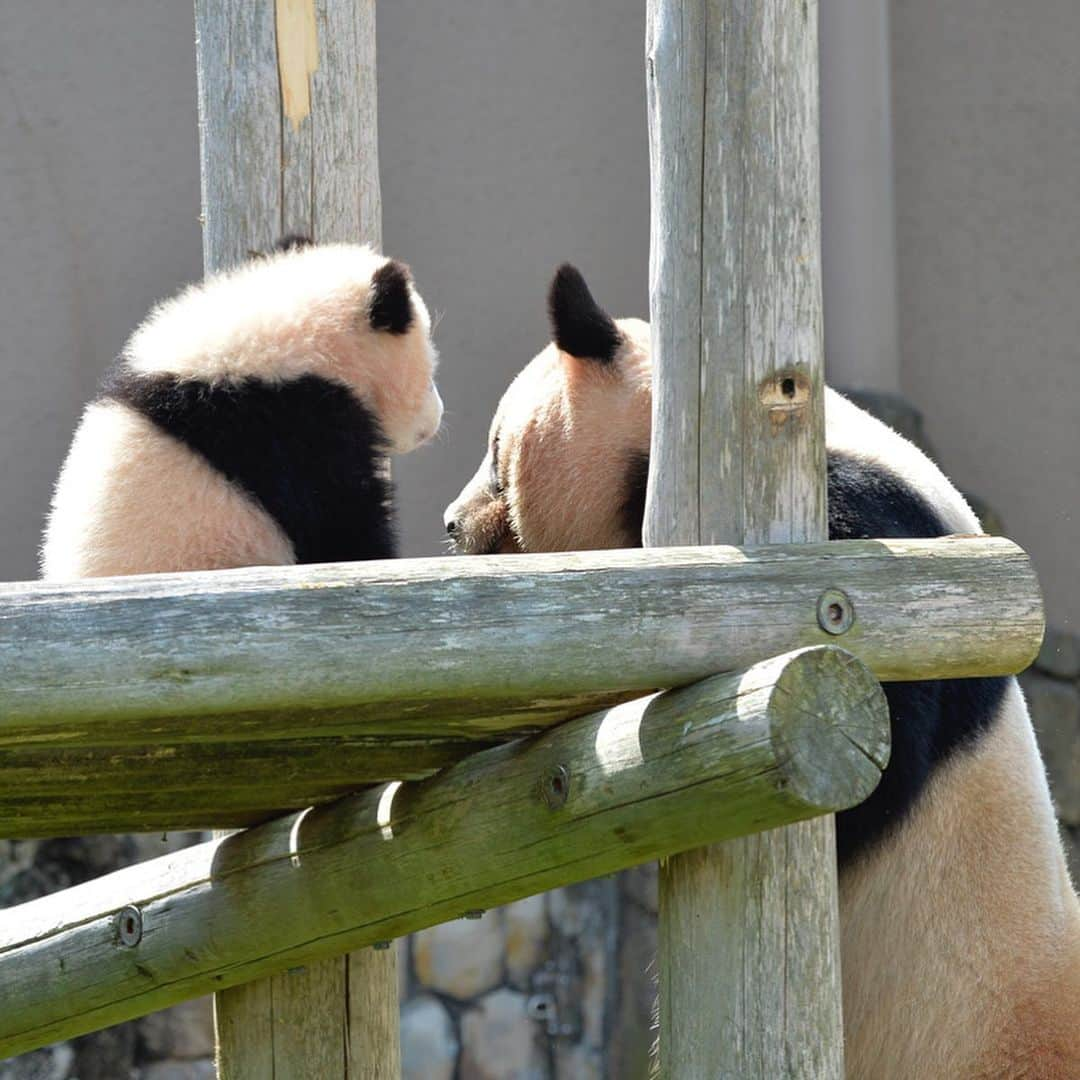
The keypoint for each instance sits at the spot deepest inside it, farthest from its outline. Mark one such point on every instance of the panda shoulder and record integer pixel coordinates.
(851, 433)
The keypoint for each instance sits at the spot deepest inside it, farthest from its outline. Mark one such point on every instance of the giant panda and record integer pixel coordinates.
(960, 929)
(248, 419)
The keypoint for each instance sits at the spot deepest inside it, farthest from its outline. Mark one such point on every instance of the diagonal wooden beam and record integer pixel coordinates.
(787, 739)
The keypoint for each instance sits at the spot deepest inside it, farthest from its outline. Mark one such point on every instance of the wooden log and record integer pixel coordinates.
(288, 124)
(785, 740)
(289, 144)
(749, 953)
(215, 699)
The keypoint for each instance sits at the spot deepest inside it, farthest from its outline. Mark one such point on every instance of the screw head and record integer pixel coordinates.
(835, 612)
(129, 926)
(555, 787)
(473, 913)
(380, 946)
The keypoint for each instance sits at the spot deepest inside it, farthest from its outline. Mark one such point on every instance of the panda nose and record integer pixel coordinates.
(451, 526)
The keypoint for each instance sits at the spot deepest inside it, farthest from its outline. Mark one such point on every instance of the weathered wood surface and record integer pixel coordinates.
(749, 958)
(289, 144)
(785, 740)
(265, 174)
(216, 699)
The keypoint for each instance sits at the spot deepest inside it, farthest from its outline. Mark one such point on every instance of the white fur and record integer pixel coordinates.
(855, 432)
(960, 931)
(299, 312)
(132, 499)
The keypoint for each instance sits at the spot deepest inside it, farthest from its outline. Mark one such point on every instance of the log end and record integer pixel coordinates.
(829, 724)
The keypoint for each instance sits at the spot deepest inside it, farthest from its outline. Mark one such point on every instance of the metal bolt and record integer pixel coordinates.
(835, 612)
(129, 926)
(555, 787)
(473, 913)
(379, 946)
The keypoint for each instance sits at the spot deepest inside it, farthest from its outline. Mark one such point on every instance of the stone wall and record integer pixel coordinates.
(177, 1044)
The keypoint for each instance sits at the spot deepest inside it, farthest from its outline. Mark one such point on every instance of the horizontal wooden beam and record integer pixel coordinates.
(790, 738)
(220, 699)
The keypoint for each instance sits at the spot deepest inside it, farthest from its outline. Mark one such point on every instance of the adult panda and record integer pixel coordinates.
(248, 419)
(960, 929)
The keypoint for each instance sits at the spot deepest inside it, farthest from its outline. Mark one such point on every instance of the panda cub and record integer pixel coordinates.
(248, 419)
(960, 929)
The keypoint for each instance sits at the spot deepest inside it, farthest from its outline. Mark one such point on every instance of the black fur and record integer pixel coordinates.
(930, 720)
(391, 306)
(579, 326)
(306, 450)
(289, 242)
(292, 241)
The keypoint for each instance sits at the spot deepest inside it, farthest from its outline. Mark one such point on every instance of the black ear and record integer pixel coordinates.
(292, 241)
(289, 242)
(391, 307)
(579, 326)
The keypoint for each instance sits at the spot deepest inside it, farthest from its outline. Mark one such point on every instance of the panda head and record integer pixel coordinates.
(338, 311)
(568, 448)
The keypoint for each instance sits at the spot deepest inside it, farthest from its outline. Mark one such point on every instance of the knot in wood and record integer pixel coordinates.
(785, 394)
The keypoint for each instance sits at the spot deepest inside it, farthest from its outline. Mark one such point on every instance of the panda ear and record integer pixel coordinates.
(390, 308)
(289, 242)
(293, 241)
(579, 326)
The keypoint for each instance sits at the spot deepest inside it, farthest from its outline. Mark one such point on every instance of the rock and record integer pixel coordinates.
(107, 1054)
(635, 1023)
(501, 1042)
(462, 958)
(580, 1062)
(1060, 654)
(526, 935)
(1055, 714)
(582, 908)
(16, 858)
(61, 862)
(48, 1063)
(640, 885)
(180, 1070)
(186, 1031)
(429, 1044)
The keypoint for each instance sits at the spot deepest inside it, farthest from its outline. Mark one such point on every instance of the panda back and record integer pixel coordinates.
(882, 486)
(305, 449)
(131, 499)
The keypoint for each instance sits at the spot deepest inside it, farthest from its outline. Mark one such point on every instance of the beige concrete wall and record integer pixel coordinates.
(987, 149)
(513, 136)
(99, 204)
(857, 222)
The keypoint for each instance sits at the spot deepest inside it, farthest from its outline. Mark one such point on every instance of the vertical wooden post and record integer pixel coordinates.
(749, 982)
(288, 139)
